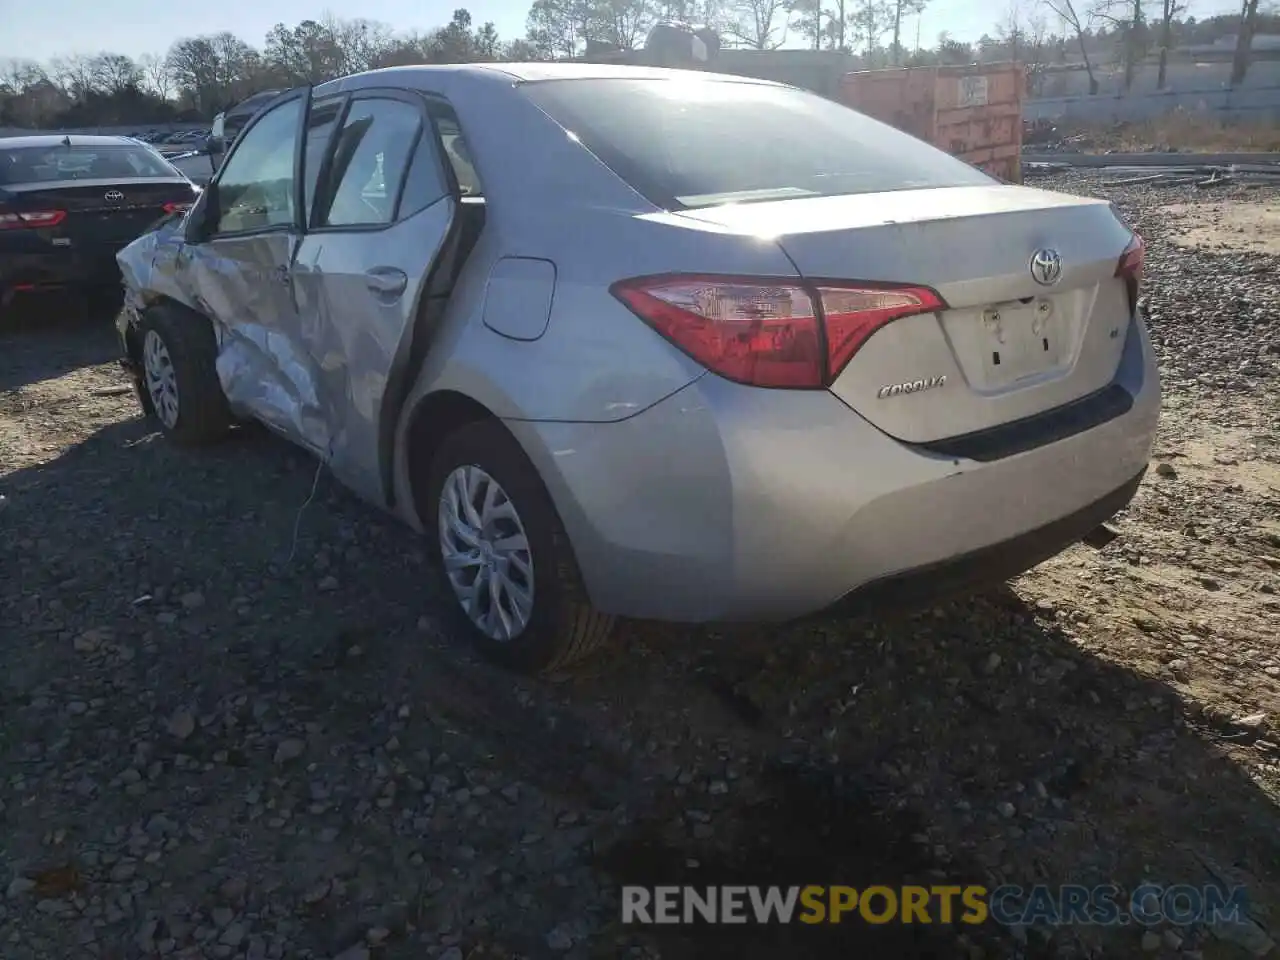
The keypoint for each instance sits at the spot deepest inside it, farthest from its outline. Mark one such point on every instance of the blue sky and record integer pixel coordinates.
(41, 29)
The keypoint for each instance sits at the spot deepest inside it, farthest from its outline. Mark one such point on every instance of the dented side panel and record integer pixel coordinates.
(244, 286)
(359, 295)
(311, 332)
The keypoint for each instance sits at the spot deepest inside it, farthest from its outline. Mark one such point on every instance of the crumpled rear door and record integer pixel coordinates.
(383, 214)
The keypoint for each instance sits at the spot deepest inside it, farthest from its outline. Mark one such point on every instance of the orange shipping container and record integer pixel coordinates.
(973, 111)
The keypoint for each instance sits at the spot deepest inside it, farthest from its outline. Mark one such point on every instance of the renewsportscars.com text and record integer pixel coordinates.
(1106, 904)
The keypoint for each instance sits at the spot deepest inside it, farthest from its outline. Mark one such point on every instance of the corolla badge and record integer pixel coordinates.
(1046, 267)
(911, 386)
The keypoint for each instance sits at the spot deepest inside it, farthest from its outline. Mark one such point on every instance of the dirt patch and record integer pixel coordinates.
(1226, 227)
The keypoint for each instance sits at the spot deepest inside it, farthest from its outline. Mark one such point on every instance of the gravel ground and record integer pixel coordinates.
(233, 727)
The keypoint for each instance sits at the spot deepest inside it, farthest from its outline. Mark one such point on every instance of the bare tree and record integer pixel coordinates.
(903, 8)
(1244, 42)
(1128, 19)
(518, 51)
(1036, 38)
(559, 28)
(952, 51)
(359, 44)
(114, 73)
(156, 79)
(214, 71)
(621, 23)
(308, 52)
(871, 21)
(808, 19)
(1169, 9)
(1011, 29)
(1080, 25)
(27, 94)
(760, 24)
(75, 74)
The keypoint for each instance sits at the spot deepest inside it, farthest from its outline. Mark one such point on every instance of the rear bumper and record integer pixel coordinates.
(725, 502)
(988, 565)
(61, 267)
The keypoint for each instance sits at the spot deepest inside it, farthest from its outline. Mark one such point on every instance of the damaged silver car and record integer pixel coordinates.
(626, 341)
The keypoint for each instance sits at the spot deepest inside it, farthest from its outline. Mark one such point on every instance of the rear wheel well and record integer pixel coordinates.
(438, 415)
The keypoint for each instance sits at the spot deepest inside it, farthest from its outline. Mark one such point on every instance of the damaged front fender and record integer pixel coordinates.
(265, 359)
(149, 266)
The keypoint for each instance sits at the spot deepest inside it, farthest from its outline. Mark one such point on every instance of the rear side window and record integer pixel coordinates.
(459, 156)
(108, 162)
(704, 142)
(369, 161)
(425, 183)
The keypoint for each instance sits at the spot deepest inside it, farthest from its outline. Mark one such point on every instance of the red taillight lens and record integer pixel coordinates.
(852, 314)
(30, 219)
(176, 207)
(1130, 268)
(770, 333)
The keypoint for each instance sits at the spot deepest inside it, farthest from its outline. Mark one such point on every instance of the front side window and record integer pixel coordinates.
(369, 160)
(255, 189)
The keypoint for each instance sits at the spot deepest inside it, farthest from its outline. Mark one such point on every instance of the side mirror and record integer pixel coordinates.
(202, 216)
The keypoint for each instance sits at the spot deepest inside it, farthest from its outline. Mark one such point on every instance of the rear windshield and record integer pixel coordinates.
(699, 143)
(110, 162)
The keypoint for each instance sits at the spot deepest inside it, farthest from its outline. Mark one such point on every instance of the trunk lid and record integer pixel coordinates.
(1007, 347)
(101, 211)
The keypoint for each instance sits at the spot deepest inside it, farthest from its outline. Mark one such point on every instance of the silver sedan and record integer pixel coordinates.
(653, 343)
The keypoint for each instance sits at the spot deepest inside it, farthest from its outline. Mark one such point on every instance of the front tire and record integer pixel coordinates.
(178, 358)
(503, 556)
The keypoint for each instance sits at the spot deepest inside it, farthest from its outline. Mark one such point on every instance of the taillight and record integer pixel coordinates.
(1130, 268)
(29, 219)
(177, 207)
(853, 314)
(770, 333)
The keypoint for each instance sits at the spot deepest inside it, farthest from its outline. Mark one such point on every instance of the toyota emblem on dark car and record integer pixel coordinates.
(113, 196)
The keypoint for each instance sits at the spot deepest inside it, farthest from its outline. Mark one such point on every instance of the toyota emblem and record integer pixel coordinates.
(1046, 267)
(113, 196)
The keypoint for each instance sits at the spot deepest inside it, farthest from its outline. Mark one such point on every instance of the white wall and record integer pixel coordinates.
(1189, 86)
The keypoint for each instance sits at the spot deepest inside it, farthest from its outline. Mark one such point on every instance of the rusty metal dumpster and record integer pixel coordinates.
(972, 111)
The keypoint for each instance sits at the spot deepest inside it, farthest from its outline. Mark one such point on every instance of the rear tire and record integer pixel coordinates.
(520, 543)
(178, 360)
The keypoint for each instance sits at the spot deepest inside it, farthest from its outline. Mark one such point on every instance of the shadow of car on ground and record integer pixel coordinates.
(46, 336)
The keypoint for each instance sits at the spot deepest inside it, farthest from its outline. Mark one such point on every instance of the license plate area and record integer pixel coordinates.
(1022, 340)
(115, 226)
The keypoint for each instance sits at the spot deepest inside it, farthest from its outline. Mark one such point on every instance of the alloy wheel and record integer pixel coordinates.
(486, 553)
(161, 378)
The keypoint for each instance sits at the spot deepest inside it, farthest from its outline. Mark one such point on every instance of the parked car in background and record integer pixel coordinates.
(227, 125)
(654, 363)
(68, 204)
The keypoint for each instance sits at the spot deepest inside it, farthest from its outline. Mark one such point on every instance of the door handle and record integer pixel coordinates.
(386, 281)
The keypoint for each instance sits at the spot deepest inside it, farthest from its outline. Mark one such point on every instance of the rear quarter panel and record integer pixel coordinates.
(553, 200)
